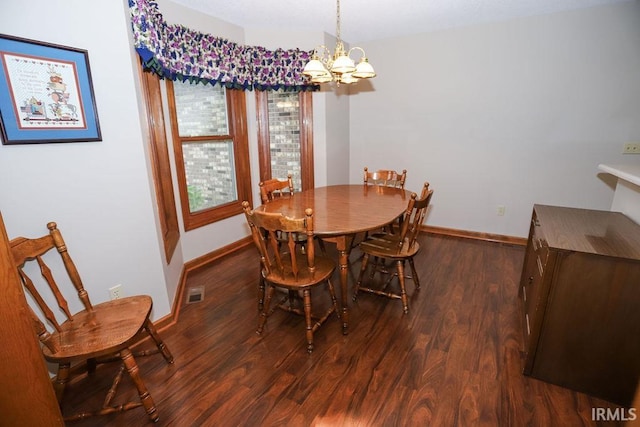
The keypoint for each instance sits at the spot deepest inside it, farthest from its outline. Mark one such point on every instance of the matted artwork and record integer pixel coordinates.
(46, 93)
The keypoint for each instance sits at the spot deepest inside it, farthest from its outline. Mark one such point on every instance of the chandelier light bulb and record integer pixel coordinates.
(325, 78)
(343, 64)
(347, 78)
(315, 68)
(364, 70)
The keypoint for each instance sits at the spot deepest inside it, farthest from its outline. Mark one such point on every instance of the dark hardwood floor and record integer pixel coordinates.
(454, 360)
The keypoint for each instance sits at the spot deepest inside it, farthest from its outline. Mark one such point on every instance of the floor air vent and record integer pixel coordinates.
(195, 294)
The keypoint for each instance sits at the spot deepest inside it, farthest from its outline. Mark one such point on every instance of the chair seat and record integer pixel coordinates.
(324, 269)
(105, 330)
(386, 246)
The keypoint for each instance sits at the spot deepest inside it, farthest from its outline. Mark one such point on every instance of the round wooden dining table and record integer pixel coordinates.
(339, 213)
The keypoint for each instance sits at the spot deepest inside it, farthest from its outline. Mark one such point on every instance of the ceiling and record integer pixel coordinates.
(365, 20)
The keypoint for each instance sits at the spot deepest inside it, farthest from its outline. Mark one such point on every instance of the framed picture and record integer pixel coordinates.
(46, 93)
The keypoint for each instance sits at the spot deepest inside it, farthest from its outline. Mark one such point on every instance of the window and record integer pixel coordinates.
(211, 151)
(285, 129)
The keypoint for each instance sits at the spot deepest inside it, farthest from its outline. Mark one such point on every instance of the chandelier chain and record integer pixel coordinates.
(338, 20)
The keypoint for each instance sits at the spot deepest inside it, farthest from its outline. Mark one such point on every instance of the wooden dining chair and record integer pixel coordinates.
(284, 266)
(398, 248)
(99, 333)
(274, 188)
(385, 177)
(270, 190)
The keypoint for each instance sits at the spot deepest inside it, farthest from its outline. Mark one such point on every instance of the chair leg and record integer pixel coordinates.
(403, 290)
(374, 267)
(363, 269)
(307, 317)
(134, 372)
(414, 274)
(265, 309)
(151, 330)
(62, 378)
(114, 386)
(334, 300)
(260, 293)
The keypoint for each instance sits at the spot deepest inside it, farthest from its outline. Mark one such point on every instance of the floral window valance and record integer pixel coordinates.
(179, 53)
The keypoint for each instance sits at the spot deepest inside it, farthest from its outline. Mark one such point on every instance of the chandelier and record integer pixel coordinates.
(323, 67)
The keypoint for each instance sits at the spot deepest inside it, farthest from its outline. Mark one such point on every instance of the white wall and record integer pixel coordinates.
(511, 113)
(98, 192)
(338, 120)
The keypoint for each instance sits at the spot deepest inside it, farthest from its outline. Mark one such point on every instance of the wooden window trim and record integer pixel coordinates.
(160, 164)
(236, 108)
(264, 141)
(306, 140)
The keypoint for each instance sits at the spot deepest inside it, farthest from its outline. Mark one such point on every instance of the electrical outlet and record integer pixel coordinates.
(631, 148)
(115, 292)
(500, 210)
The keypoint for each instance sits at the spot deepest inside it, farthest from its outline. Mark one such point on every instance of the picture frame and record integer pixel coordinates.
(46, 93)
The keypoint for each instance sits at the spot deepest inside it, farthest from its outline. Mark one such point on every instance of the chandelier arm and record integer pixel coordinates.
(322, 53)
(364, 55)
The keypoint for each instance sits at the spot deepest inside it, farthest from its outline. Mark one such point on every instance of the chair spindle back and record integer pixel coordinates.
(414, 217)
(274, 188)
(385, 177)
(26, 251)
(276, 257)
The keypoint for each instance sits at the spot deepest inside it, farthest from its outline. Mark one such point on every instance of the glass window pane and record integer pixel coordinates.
(284, 136)
(201, 109)
(210, 172)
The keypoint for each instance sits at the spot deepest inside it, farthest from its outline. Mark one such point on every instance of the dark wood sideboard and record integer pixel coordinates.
(580, 289)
